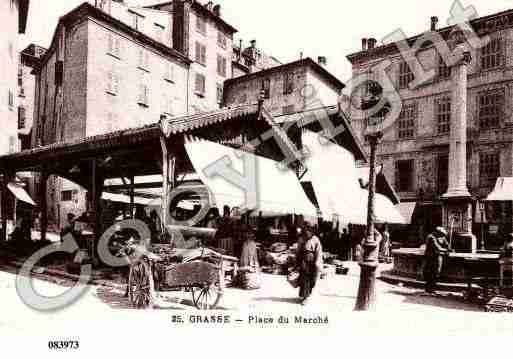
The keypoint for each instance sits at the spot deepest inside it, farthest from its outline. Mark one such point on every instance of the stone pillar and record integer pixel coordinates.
(458, 135)
(457, 200)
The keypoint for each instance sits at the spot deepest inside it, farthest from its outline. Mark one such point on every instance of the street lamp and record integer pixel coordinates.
(482, 210)
(369, 263)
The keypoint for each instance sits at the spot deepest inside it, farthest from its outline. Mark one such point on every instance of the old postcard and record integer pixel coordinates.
(256, 177)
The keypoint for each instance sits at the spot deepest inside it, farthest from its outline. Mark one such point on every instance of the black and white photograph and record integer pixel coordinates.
(190, 178)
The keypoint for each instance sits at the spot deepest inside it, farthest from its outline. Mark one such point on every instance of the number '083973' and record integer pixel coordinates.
(63, 345)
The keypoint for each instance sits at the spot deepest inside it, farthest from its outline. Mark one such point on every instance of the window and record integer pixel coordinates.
(266, 88)
(489, 168)
(21, 117)
(10, 99)
(66, 196)
(491, 108)
(201, 54)
(159, 32)
(112, 83)
(288, 83)
(404, 172)
(137, 20)
(167, 105)
(12, 144)
(111, 124)
(443, 115)
(219, 93)
(221, 66)
(143, 60)
(491, 55)
(169, 74)
(221, 40)
(443, 174)
(201, 25)
(114, 46)
(406, 122)
(405, 75)
(287, 110)
(200, 84)
(143, 97)
(444, 71)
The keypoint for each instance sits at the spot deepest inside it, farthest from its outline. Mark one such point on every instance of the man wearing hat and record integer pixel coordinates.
(437, 248)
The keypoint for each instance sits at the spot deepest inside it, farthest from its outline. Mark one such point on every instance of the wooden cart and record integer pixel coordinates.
(200, 272)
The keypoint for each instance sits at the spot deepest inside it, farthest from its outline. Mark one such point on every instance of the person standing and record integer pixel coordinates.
(249, 270)
(437, 247)
(384, 248)
(309, 261)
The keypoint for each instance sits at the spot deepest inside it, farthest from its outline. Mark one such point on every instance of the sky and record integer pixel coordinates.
(287, 28)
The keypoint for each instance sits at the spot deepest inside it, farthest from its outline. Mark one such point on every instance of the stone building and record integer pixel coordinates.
(13, 16)
(29, 60)
(200, 33)
(297, 86)
(98, 76)
(415, 149)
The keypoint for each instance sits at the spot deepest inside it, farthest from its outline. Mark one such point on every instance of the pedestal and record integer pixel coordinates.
(457, 219)
(506, 277)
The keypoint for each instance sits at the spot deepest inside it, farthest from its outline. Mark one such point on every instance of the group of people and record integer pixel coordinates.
(309, 262)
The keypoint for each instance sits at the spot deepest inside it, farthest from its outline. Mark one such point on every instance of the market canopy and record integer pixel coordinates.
(335, 178)
(503, 190)
(19, 192)
(276, 190)
(407, 209)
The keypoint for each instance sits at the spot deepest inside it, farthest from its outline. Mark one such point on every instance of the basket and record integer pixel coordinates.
(293, 279)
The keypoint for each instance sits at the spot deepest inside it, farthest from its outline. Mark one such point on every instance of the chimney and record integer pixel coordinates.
(209, 6)
(364, 44)
(371, 43)
(434, 23)
(322, 60)
(217, 10)
(181, 20)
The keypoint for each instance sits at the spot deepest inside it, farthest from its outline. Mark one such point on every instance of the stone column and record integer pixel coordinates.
(458, 135)
(458, 200)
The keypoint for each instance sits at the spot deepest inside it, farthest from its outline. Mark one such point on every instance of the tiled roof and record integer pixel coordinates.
(192, 122)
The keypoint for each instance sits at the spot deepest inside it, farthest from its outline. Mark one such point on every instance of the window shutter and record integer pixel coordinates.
(140, 58)
(118, 46)
(111, 44)
(115, 78)
(59, 73)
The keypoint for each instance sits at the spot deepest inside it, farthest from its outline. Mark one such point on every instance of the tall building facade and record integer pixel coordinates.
(13, 16)
(200, 33)
(415, 149)
(29, 61)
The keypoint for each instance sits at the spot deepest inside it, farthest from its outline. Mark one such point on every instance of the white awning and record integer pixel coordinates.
(277, 190)
(503, 190)
(334, 176)
(406, 209)
(20, 193)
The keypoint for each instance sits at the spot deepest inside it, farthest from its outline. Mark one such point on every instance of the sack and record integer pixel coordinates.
(293, 279)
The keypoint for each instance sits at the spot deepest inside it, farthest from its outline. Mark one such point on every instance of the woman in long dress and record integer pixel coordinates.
(310, 264)
(249, 271)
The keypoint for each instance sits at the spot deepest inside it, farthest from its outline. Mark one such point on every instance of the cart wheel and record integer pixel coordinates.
(207, 297)
(141, 288)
